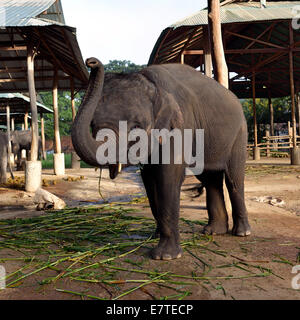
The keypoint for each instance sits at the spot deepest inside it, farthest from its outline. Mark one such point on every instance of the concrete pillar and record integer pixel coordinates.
(59, 164)
(58, 157)
(75, 161)
(295, 156)
(33, 176)
(256, 153)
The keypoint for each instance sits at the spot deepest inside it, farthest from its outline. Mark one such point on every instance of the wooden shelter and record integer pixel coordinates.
(261, 42)
(38, 52)
(17, 110)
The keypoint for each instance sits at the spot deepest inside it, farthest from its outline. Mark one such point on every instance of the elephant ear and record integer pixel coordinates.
(167, 113)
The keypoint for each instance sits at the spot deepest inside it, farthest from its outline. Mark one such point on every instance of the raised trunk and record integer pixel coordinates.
(84, 143)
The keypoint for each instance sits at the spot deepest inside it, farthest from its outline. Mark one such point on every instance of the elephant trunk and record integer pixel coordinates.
(84, 143)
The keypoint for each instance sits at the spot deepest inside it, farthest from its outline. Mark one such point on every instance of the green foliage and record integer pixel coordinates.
(282, 113)
(124, 66)
(65, 112)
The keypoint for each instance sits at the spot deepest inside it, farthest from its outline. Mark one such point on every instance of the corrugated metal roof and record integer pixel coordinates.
(243, 12)
(20, 12)
(42, 22)
(14, 100)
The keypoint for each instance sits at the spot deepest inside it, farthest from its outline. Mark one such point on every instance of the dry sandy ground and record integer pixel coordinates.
(275, 231)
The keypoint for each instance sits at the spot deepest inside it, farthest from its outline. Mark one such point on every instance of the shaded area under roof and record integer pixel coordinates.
(39, 23)
(18, 119)
(255, 39)
(19, 103)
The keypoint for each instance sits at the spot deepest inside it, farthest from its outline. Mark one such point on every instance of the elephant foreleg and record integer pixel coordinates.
(165, 201)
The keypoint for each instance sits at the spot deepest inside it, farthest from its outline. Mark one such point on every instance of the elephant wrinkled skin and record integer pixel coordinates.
(167, 97)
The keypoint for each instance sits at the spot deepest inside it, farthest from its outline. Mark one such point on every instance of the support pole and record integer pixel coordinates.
(295, 152)
(219, 62)
(58, 157)
(12, 124)
(43, 136)
(182, 58)
(215, 35)
(33, 172)
(268, 144)
(10, 155)
(26, 120)
(256, 151)
(207, 53)
(298, 108)
(75, 160)
(271, 111)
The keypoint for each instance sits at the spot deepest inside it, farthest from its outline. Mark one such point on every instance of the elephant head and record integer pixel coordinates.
(135, 98)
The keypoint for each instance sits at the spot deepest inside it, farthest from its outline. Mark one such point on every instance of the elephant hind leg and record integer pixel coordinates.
(217, 214)
(234, 178)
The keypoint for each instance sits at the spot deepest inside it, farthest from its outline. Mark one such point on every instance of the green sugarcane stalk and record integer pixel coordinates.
(140, 286)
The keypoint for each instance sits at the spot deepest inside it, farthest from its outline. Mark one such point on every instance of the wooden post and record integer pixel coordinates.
(254, 109)
(298, 107)
(57, 143)
(72, 99)
(256, 151)
(215, 34)
(207, 53)
(214, 47)
(26, 120)
(33, 106)
(12, 124)
(8, 132)
(271, 111)
(290, 134)
(75, 160)
(182, 58)
(43, 135)
(268, 143)
(58, 157)
(292, 84)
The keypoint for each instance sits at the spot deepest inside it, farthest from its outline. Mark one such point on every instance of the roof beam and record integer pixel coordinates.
(57, 61)
(36, 79)
(13, 48)
(253, 39)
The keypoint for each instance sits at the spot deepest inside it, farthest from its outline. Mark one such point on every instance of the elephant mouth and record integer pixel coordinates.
(114, 170)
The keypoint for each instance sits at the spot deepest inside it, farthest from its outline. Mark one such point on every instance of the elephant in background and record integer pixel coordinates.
(171, 96)
(21, 140)
(4, 158)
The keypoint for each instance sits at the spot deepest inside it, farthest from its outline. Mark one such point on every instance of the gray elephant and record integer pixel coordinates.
(4, 158)
(167, 97)
(21, 140)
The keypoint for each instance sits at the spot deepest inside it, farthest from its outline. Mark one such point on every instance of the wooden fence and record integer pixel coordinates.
(275, 144)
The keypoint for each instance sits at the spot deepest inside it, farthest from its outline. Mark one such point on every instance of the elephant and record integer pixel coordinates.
(21, 140)
(171, 96)
(4, 158)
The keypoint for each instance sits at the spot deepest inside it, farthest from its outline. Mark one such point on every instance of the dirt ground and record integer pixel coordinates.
(273, 245)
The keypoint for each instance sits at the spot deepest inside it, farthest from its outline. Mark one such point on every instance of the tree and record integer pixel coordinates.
(282, 113)
(65, 112)
(122, 66)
